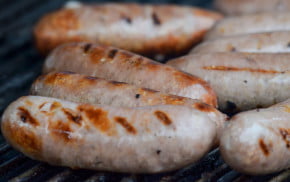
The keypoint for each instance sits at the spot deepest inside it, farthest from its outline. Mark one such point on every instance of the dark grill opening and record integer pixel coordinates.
(20, 64)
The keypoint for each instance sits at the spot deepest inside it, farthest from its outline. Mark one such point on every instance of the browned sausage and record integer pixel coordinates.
(242, 81)
(137, 140)
(92, 90)
(144, 29)
(258, 141)
(119, 65)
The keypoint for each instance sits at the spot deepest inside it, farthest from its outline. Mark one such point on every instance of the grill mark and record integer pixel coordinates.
(127, 19)
(72, 117)
(285, 133)
(87, 48)
(163, 117)
(204, 107)
(228, 68)
(26, 117)
(264, 147)
(112, 53)
(98, 117)
(155, 19)
(61, 130)
(54, 106)
(123, 122)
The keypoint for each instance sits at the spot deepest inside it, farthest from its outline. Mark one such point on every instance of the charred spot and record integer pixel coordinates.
(112, 53)
(149, 90)
(155, 19)
(123, 122)
(158, 152)
(233, 49)
(61, 130)
(137, 96)
(91, 78)
(204, 107)
(288, 45)
(72, 117)
(285, 133)
(98, 117)
(163, 117)
(264, 147)
(116, 83)
(26, 117)
(127, 19)
(87, 48)
(66, 73)
(245, 81)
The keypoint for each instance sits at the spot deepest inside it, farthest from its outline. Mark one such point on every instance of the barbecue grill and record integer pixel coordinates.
(20, 64)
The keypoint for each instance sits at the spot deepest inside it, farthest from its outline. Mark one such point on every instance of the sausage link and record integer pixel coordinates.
(91, 90)
(242, 81)
(144, 29)
(258, 141)
(274, 42)
(119, 65)
(256, 23)
(137, 140)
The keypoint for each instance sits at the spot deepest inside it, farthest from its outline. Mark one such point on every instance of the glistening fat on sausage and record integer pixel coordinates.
(258, 141)
(119, 65)
(137, 140)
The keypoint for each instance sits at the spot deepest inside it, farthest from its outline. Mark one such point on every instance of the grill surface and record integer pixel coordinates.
(19, 66)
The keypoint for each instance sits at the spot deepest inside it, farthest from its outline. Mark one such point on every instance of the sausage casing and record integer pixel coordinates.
(91, 90)
(138, 140)
(257, 141)
(144, 29)
(258, 42)
(119, 65)
(242, 81)
(239, 7)
(253, 23)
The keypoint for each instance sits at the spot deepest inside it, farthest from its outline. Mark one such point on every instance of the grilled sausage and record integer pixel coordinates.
(242, 81)
(138, 140)
(257, 142)
(238, 7)
(257, 42)
(92, 90)
(144, 29)
(264, 22)
(115, 64)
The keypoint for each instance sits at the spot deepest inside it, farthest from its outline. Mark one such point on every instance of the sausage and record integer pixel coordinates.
(86, 89)
(119, 65)
(242, 81)
(257, 42)
(144, 29)
(239, 7)
(137, 140)
(257, 142)
(253, 23)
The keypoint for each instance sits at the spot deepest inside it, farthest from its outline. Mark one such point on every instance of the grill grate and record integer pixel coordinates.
(20, 64)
